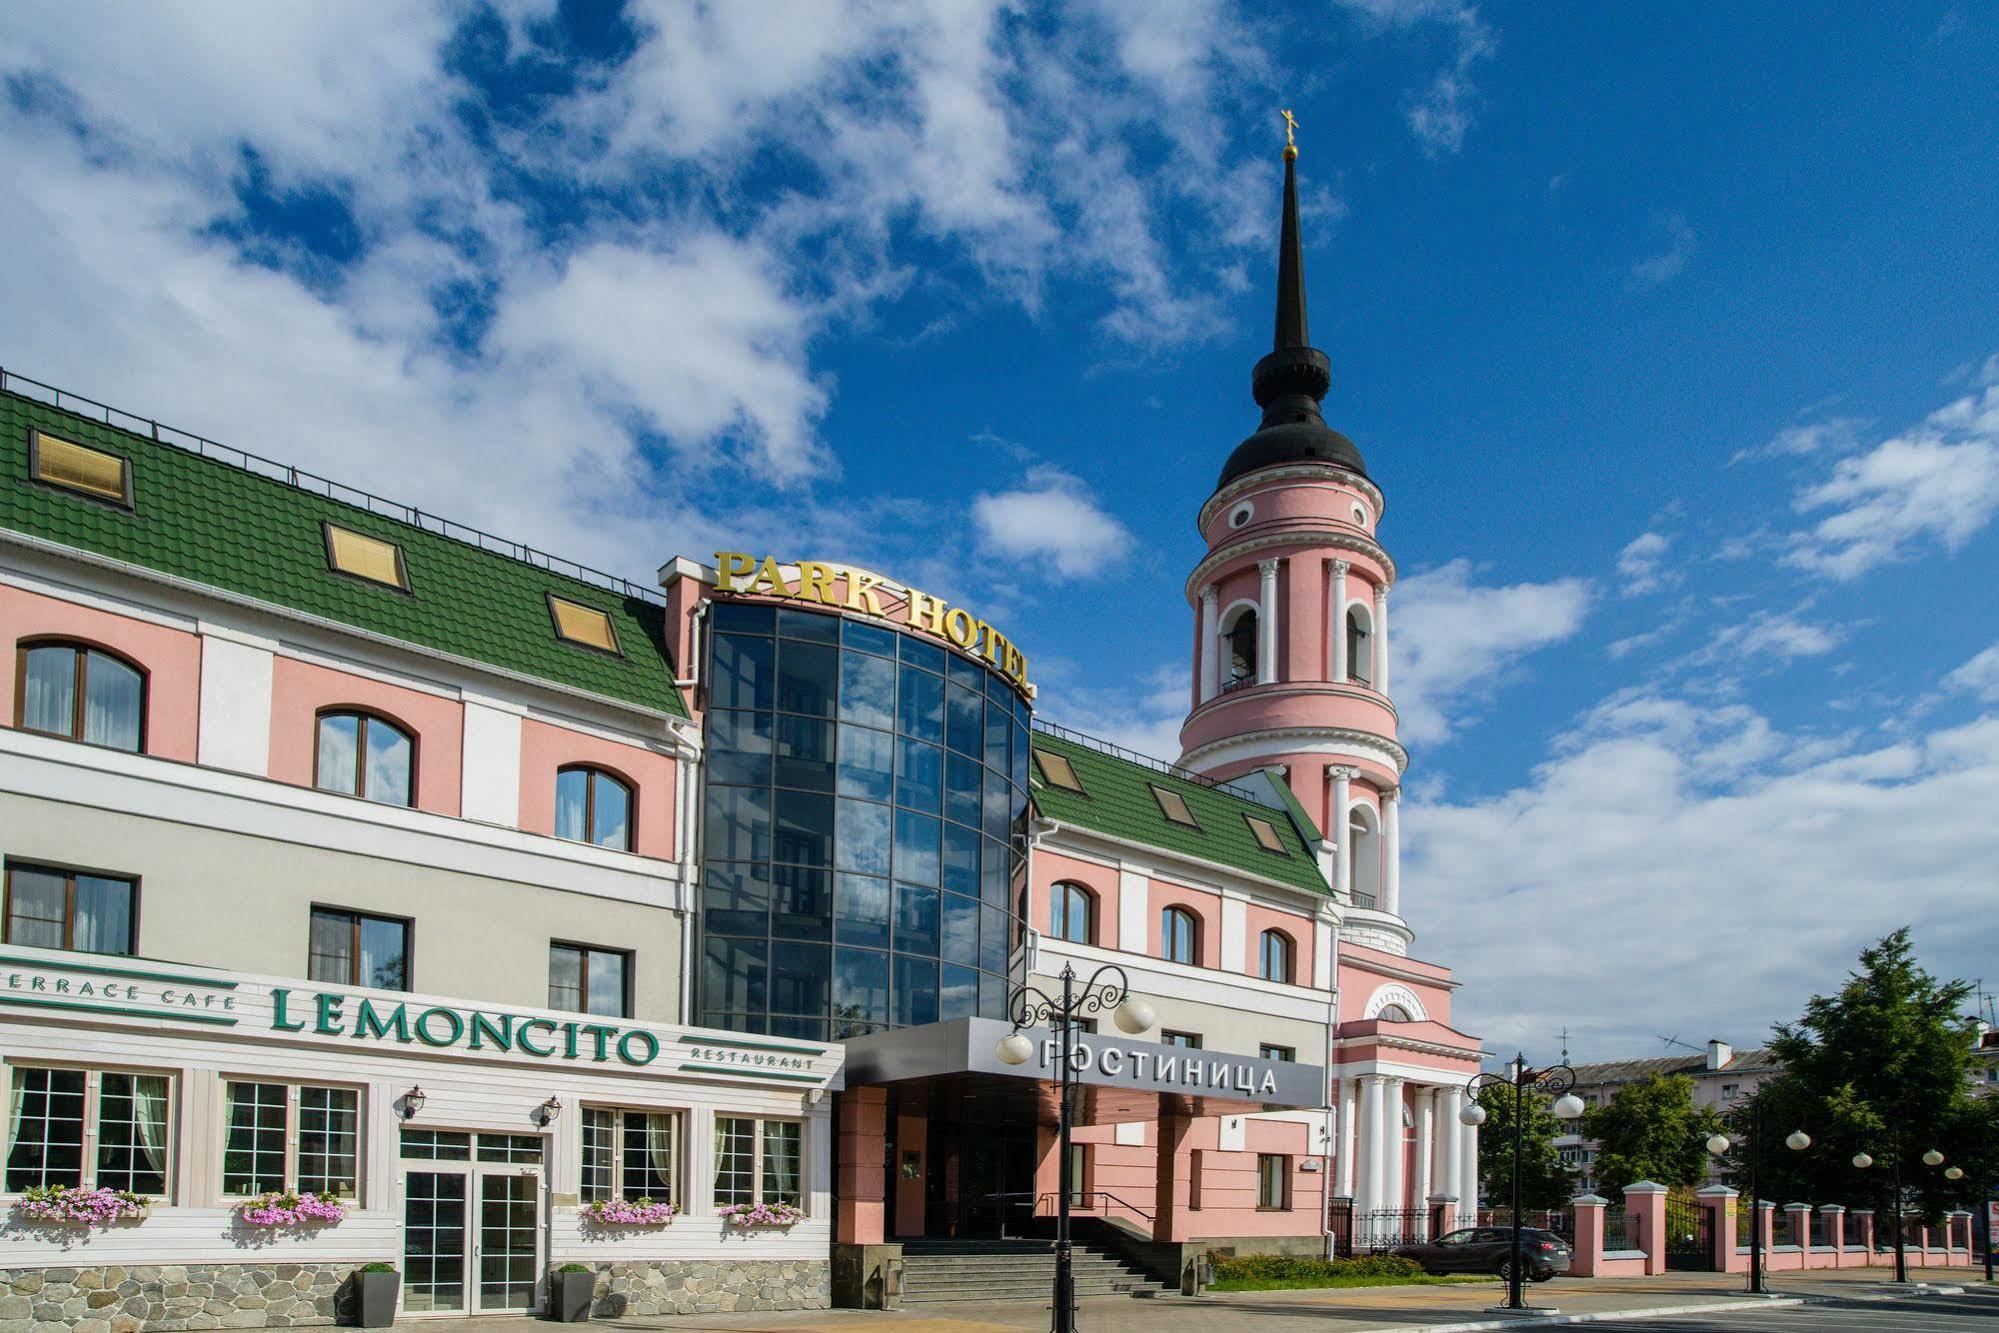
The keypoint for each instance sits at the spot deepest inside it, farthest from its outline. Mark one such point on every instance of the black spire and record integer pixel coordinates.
(1290, 382)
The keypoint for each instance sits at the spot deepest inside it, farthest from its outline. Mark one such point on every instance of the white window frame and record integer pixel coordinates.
(757, 1159)
(292, 1087)
(93, 1081)
(677, 1183)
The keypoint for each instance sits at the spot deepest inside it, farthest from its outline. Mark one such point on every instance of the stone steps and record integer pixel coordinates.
(935, 1272)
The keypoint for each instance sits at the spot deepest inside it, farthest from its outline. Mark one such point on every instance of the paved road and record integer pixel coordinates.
(1976, 1311)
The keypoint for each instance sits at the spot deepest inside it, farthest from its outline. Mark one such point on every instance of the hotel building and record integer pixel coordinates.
(352, 853)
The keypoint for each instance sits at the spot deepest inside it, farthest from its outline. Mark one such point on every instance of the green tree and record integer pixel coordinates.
(1881, 1067)
(1651, 1130)
(1543, 1182)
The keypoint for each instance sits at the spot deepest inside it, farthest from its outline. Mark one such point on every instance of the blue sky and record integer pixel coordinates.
(1672, 335)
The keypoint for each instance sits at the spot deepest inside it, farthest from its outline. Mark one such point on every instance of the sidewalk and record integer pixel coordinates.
(1352, 1310)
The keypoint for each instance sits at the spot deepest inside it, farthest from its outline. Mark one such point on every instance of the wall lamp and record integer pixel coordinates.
(547, 1111)
(413, 1101)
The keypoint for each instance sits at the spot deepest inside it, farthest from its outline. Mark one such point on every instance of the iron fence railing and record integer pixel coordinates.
(1617, 1230)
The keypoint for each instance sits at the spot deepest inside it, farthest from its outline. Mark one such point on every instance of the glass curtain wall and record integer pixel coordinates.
(863, 789)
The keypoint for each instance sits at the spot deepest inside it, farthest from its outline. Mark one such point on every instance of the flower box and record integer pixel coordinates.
(640, 1212)
(287, 1209)
(763, 1214)
(60, 1205)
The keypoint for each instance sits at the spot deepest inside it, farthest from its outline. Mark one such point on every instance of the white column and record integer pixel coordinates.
(1391, 851)
(1468, 1170)
(1338, 619)
(1450, 1138)
(1341, 833)
(1381, 638)
(1391, 1178)
(1367, 1197)
(1266, 622)
(1426, 1145)
(1210, 656)
(1349, 1113)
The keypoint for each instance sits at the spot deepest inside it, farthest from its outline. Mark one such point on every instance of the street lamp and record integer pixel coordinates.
(1797, 1141)
(1930, 1158)
(1568, 1106)
(1029, 1005)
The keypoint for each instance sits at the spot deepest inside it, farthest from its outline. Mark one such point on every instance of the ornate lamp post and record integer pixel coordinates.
(1797, 1141)
(1558, 1079)
(1930, 1158)
(1029, 1005)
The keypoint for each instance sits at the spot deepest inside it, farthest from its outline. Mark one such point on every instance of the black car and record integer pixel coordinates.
(1487, 1249)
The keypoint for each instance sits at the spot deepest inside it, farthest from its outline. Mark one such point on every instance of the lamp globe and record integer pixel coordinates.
(1797, 1140)
(1568, 1106)
(1717, 1144)
(1014, 1048)
(1862, 1160)
(1134, 1015)
(1473, 1114)
(1933, 1158)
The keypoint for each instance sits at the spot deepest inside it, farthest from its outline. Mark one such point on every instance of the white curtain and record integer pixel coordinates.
(781, 1143)
(149, 1108)
(659, 1149)
(14, 1101)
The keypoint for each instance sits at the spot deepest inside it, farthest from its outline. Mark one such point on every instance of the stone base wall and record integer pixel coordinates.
(712, 1287)
(145, 1297)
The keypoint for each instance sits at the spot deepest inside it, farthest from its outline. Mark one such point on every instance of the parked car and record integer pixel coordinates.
(1487, 1249)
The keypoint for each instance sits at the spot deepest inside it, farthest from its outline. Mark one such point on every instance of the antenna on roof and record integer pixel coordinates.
(1683, 1045)
(1565, 1043)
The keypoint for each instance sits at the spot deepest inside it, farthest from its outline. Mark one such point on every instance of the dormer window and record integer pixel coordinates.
(1174, 806)
(582, 625)
(1266, 835)
(54, 461)
(1057, 771)
(370, 559)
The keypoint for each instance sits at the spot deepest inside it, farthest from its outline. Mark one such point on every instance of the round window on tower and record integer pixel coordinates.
(1241, 514)
(1360, 515)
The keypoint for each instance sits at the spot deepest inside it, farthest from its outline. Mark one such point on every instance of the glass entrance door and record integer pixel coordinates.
(509, 1240)
(471, 1221)
(434, 1238)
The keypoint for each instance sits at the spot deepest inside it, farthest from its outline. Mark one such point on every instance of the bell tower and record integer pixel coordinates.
(1291, 662)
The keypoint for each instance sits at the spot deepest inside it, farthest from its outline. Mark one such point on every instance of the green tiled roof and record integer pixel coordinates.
(214, 523)
(1117, 801)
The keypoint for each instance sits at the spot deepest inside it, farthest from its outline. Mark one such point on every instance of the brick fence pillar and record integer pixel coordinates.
(1798, 1226)
(1586, 1257)
(1835, 1232)
(1719, 1201)
(1645, 1205)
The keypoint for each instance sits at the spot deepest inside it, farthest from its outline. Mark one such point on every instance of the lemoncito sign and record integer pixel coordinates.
(860, 590)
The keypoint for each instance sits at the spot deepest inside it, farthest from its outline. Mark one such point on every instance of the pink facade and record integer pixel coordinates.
(546, 750)
(169, 659)
(301, 691)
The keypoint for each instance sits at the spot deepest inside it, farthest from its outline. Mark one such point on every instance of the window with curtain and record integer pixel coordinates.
(1273, 956)
(84, 693)
(360, 754)
(584, 980)
(631, 1154)
(592, 806)
(49, 1111)
(759, 1161)
(1273, 1181)
(1179, 936)
(260, 1118)
(356, 949)
(1072, 913)
(53, 908)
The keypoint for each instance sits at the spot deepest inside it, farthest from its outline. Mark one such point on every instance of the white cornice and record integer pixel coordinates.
(1217, 873)
(1270, 742)
(1387, 970)
(1293, 689)
(1314, 537)
(1314, 471)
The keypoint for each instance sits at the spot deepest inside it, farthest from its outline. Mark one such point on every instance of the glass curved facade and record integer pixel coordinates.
(863, 790)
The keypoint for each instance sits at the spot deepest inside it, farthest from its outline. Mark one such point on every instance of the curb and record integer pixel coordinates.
(1594, 1317)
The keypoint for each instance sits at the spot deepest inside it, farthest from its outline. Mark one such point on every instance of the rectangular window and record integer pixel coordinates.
(1188, 1040)
(51, 1110)
(1058, 771)
(364, 557)
(291, 1136)
(1174, 806)
(1273, 1181)
(51, 908)
(586, 625)
(78, 467)
(355, 949)
(1266, 835)
(584, 980)
(1281, 1053)
(758, 1161)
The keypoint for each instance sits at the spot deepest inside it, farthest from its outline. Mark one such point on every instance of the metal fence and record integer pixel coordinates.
(1557, 1220)
(1617, 1229)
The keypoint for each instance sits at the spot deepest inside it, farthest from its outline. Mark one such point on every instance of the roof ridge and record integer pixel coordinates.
(1112, 750)
(336, 491)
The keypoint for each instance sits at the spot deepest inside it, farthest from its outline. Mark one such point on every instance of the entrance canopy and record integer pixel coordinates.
(1120, 1079)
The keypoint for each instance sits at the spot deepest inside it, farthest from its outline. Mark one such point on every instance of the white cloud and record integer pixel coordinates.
(1785, 636)
(1935, 483)
(1833, 435)
(1671, 262)
(1141, 712)
(1979, 676)
(1641, 564)
(1053, 521)
(1451, 643)
(1441, 114)
(1669, 841)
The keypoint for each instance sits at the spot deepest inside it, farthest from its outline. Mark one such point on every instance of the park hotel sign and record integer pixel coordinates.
(850, 589)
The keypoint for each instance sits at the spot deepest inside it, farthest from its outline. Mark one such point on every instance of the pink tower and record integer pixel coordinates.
(1291, 620)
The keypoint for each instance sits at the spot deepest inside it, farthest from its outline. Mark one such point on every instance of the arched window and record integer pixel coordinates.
(1072, 913)
(364, 754)
(593, 806)
(1179, 936)
(1364, 853)
(84, 693)
(1274, 956)
(1360, 646)
(1394, 1013)
(1239, 649)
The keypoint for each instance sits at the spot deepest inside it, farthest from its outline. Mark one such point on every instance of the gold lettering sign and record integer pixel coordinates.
(858, 590)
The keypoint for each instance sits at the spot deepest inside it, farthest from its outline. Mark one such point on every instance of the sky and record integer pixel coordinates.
(1671, 334)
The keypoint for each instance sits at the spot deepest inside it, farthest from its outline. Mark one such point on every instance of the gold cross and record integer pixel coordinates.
(1290, 125)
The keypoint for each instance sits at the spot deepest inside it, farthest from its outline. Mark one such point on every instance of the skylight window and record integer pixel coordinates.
(1057, 771)
(1174, 806)
(364, 557)
(78, 467)
(1266, 835)
(584, 625)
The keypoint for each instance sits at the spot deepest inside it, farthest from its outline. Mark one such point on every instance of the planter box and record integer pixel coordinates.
(570, 1295)
(375, 1298)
